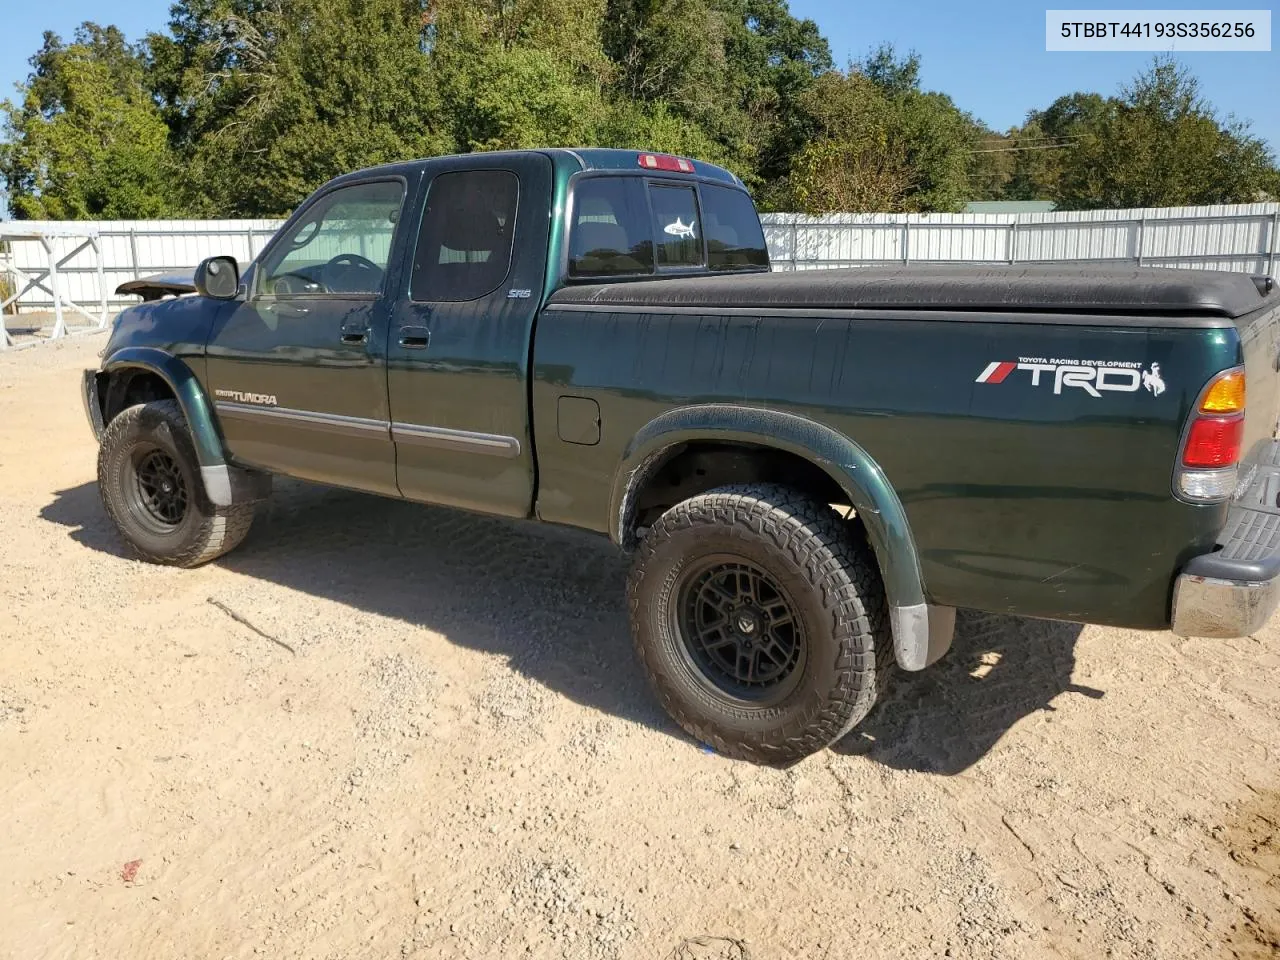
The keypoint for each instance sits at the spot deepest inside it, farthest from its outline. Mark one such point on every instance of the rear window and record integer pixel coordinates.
(631, 226)
(676, 225)
(610, 228)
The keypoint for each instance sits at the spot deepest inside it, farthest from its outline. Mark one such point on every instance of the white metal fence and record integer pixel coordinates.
(1243, 237)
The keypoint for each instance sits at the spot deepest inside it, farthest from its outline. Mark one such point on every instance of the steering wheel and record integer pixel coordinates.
(352, 273)
(354, 260)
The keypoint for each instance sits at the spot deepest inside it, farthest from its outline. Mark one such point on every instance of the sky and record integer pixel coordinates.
(989, 56)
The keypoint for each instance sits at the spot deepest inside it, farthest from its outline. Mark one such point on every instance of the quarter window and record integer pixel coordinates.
(340, 246)
(464, 245)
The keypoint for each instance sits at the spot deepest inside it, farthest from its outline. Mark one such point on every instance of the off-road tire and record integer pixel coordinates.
(204, 531)
(829, 570)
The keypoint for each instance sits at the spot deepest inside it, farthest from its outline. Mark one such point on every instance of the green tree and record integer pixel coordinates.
(855, 162)
(1042, 146)
(267, 99)
(85, 140)
(518, 73)
(1159, 143)
(735, 70)
(880, 143)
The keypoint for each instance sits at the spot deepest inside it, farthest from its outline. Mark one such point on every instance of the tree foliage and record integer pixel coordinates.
(243, 107)
(1158, 143)
(86, 140)
(879, 142)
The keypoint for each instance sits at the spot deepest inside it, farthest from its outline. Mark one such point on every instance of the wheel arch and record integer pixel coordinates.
(184, 386)
(921, 631)
(224, 484)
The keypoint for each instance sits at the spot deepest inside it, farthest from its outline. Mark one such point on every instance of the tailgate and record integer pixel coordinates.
(1260, 342)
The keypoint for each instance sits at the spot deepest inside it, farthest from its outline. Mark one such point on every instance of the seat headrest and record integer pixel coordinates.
(592, 235)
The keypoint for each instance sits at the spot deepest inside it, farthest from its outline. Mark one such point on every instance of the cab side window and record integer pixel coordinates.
(465, 241)
(339, 247)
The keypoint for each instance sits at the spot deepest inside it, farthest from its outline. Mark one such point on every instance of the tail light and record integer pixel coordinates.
(1207, 463)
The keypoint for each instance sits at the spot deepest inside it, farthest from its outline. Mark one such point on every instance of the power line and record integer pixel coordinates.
(1046, 146)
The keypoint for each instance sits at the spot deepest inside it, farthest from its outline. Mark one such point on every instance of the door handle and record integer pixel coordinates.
(287, 309)
(355, 336)
(414, 338)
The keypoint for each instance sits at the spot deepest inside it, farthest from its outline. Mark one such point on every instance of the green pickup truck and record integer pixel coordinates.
(812, 469)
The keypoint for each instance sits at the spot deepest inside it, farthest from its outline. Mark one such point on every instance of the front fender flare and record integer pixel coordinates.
(224, 484)
(922, 632)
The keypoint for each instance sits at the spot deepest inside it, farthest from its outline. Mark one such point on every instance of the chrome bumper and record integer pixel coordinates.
(1214, 607)
(92, 406)
(1233, 591)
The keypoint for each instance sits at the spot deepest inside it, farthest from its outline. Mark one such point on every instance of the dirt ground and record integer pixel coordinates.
(383, 730)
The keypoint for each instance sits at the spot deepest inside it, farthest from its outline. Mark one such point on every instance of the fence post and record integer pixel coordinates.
(249, 236)
(1013, 240)
(906, 238)
(59, 322)
(133, 252)
(102, 280)
(1141, 239)
(795, 242)
(1271, 260)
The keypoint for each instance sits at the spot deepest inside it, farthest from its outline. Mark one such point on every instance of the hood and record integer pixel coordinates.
(161, 285)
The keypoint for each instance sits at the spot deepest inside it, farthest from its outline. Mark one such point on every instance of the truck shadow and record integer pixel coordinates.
(999, 670)
(551, 601)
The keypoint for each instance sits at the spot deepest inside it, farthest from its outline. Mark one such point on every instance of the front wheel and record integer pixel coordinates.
(149, 480)
(761, 621)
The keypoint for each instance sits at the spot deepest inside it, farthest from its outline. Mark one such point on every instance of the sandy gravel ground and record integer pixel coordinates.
(382, 730)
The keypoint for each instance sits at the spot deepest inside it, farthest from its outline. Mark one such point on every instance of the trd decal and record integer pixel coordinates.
(1091, 376)
(262, 399)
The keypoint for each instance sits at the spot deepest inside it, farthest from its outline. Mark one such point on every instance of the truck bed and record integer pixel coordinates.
(1176, 295)
(1024, 493)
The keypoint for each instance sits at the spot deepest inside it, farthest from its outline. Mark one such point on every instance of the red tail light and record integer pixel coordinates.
(1213, 442)
(1207, 467)
(662, 161)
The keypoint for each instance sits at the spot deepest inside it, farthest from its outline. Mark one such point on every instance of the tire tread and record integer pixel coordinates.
(220, 529)
(838, 563)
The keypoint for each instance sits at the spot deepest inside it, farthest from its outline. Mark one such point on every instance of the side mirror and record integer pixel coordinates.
(218, 278)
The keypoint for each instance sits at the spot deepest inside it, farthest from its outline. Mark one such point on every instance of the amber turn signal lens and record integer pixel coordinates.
(1225, 394)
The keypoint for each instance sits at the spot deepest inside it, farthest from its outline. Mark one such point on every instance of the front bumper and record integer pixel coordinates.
(92, 404)
(1233, 591)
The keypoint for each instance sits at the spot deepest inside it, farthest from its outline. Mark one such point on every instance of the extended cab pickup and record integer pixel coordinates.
(812, 469)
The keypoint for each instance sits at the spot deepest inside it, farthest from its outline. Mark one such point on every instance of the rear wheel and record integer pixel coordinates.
(149, 480)
(761, 621)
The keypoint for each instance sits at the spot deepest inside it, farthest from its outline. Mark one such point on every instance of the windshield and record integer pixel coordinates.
(631, 226)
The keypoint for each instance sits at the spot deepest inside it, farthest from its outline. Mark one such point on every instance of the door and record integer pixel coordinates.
(297, 371)
(458, 350)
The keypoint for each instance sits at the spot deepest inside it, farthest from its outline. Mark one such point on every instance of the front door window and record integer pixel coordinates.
(340, 246)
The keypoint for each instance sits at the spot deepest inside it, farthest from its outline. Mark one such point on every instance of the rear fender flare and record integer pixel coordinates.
(912, 618)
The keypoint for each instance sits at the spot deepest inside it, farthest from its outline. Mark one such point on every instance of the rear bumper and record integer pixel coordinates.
(1233, 591)
(92, 405)
(1214, 607)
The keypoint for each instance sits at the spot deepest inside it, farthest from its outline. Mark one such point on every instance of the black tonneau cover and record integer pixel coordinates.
(1075, 289)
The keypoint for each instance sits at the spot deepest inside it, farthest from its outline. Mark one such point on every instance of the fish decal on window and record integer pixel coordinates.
(679, 229)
